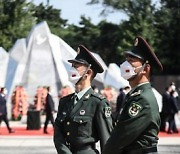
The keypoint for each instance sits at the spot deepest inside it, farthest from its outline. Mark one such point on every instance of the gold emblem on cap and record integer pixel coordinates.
(78, 50)
(136, 42)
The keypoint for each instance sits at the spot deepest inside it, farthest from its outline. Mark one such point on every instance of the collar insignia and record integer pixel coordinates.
(136, 93)
(87, 96)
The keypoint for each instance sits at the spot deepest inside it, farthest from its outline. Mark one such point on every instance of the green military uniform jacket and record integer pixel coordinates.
(138, 124)
(88, 122)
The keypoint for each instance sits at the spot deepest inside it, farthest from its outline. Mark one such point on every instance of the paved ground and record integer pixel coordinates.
(44, 145)
(51, 150)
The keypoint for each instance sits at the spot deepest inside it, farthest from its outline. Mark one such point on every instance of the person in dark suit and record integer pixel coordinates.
(165, 109)
(121, 99)
(84, 117)
(49, 110)
(172, 110)
(137, 128)
(3, 110)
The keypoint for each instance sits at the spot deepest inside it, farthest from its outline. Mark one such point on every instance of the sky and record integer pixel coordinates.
(73, 9)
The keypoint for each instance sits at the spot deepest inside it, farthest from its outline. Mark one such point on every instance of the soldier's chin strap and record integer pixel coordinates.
(84, 74)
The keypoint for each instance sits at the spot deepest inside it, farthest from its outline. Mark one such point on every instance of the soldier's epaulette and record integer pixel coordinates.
(97, 95)
(136, 93)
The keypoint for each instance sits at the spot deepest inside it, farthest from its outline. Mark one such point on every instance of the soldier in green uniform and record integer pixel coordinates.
(136, 131)
(84, 117)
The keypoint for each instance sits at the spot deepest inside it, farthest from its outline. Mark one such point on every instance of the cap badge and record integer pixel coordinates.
(136, 42)
(78, 50)
(82, 112)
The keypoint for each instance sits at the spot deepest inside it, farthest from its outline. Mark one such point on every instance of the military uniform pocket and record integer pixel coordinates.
(61, 118)
(83, 125)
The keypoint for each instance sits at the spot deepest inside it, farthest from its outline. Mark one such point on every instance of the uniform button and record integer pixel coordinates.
(80, 121)
(68, 133)
(68, 123)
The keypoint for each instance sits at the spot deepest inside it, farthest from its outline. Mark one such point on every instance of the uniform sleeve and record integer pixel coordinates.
(127, 130)
(103, 122)
(59, 140)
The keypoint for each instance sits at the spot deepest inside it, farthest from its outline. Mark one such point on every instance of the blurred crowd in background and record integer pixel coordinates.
(20, 105)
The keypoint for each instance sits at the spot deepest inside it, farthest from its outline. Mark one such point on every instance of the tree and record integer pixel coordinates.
(102, 38)
(168, 35)
(52, 16)
(140, 22)
(13, 21)
(86, 33)
(107, 44)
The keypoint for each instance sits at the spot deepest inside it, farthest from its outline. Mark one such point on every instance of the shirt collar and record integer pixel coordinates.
(132, 90)
(82, 92)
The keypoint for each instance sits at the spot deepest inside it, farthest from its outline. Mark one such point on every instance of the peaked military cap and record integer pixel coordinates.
(85, 57)
(142, 50)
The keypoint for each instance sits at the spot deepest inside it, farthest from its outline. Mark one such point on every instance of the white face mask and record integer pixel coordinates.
(127, 70)
(74, 75)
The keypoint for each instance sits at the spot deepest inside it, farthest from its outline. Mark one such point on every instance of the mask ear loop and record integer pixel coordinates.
(84, 73)
(142, 68)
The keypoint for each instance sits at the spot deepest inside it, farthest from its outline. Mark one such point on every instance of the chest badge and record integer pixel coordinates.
(82, 112)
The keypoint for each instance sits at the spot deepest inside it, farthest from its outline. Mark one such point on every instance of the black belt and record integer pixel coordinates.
(83, 147)
(142, 151)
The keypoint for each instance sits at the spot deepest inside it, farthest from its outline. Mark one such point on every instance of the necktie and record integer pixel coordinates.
(74, 100)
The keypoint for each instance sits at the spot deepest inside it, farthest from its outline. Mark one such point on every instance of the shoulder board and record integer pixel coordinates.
(136, 93)
(97, 95)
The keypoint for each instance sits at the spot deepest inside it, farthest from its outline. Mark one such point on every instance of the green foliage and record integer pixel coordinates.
(102, 38)
(86, 33)
(160, 27)
(140, 22)
(107, 44)
(168, 35)
(13, 21)
(52, 16)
